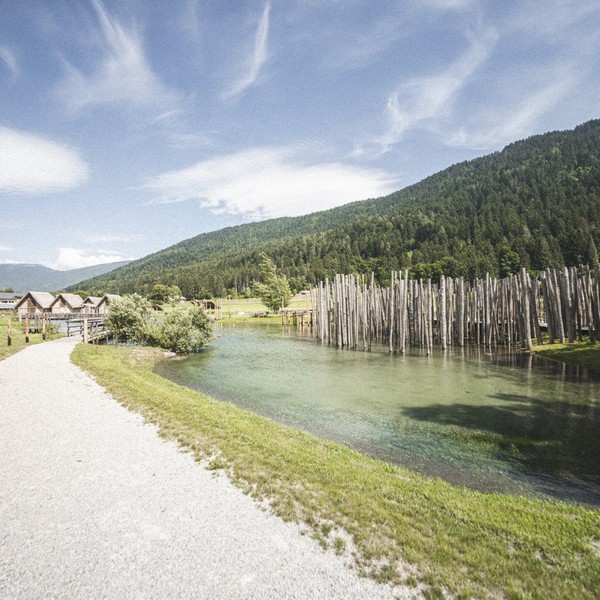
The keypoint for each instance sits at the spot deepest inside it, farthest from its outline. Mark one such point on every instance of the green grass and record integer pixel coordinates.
(17, 336)
(398, 526)
(584, 354)
(232, 308)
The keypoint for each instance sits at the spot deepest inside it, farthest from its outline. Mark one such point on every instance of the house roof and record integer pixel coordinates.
(42, 299)
(93, 300)
(72, 300)
(11, 296)
(109, 298)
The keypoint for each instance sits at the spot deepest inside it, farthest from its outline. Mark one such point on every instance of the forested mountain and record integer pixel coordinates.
(534, 204)
(22, 277)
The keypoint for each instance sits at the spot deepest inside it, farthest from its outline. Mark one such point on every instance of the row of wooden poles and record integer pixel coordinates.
(352, 312)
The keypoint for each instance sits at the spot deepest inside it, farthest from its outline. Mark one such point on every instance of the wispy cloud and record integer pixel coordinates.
(269, 182)
(75, 258)
(123, 74)
(494, 128)
(8, 57)
(6, 249)
(423, 100)
(10, 225)
(447, 4)
(520, 97)
(30, 164)
(258, 58)
(111, 238)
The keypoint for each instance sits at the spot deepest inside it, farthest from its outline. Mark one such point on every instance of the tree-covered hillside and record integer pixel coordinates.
(534, 204)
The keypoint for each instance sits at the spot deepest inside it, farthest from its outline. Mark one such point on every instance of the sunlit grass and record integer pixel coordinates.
(584, 354)
(17, 336)
(246, 307)
(398, 526)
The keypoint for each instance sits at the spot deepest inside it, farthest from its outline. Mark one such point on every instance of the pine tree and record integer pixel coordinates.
(273, 290)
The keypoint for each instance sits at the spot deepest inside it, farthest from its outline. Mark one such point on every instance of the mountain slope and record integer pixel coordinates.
(25, 277)
(535, 204)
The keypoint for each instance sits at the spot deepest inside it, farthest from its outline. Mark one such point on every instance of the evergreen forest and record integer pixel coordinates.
(535, 204)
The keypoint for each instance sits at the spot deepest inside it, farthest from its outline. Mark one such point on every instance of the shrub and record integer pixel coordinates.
(185, 329)
(130, 319)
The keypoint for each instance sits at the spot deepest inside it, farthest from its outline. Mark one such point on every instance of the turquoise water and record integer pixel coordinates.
(491, 422)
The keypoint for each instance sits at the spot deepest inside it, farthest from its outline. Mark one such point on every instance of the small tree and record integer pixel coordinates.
(185, 329)
(165, 293)
(130, 319)
(273, 290)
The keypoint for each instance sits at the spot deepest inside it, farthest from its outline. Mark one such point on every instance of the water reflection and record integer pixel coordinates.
(493, 421)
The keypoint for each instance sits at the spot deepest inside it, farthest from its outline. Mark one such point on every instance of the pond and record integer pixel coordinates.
(490, 421)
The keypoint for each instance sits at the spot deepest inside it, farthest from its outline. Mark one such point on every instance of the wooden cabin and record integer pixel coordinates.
(102, 306)
(91, 304)
(34, 303)
(67, 303)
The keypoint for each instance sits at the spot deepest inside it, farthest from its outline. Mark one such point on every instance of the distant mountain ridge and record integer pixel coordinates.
(535, 204)
(23, 277)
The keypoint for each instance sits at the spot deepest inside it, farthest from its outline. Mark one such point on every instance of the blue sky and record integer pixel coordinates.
(127, 126)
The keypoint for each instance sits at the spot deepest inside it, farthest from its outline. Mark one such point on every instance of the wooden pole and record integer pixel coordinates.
(9, 333)
(27, 329)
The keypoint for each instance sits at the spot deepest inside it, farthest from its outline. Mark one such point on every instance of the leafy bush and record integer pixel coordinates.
(185, 329)
(131, 319)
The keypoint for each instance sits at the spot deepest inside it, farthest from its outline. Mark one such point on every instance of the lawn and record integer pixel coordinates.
(396, 526)
(246, 307)
(17, 336)
(584, 354)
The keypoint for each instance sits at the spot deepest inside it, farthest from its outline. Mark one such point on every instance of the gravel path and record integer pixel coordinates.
(93, 504)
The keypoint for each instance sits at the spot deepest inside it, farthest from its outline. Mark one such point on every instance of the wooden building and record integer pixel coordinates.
(102, 306)
(34, 303)
(67, 303)
(91, 304)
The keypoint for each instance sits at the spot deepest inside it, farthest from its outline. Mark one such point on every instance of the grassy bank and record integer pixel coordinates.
(246, 307)
(583, 354)
(17, 337)
(399, 527)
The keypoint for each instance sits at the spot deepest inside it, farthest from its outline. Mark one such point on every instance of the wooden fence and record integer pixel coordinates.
(351, 313)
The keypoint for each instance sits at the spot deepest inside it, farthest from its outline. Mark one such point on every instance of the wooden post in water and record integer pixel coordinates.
(525, 309)
(441, 314)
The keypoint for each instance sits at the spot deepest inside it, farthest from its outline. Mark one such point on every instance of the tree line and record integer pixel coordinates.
(535, 204)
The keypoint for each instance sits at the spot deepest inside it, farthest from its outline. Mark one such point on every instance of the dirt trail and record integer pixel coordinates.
(93, 504)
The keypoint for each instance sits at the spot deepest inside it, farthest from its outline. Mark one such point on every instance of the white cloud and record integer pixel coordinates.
(7, 261)
(6, 249)
(74, 258)
(447, 4)
(32, 164)
(10, 225)
(7, 56)
(516, 119)
(122, 75)
(258, 58)
(423, 100)
(112, 238)
(269, 182)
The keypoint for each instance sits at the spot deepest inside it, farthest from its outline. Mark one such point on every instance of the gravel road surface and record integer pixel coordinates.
(93, 504)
